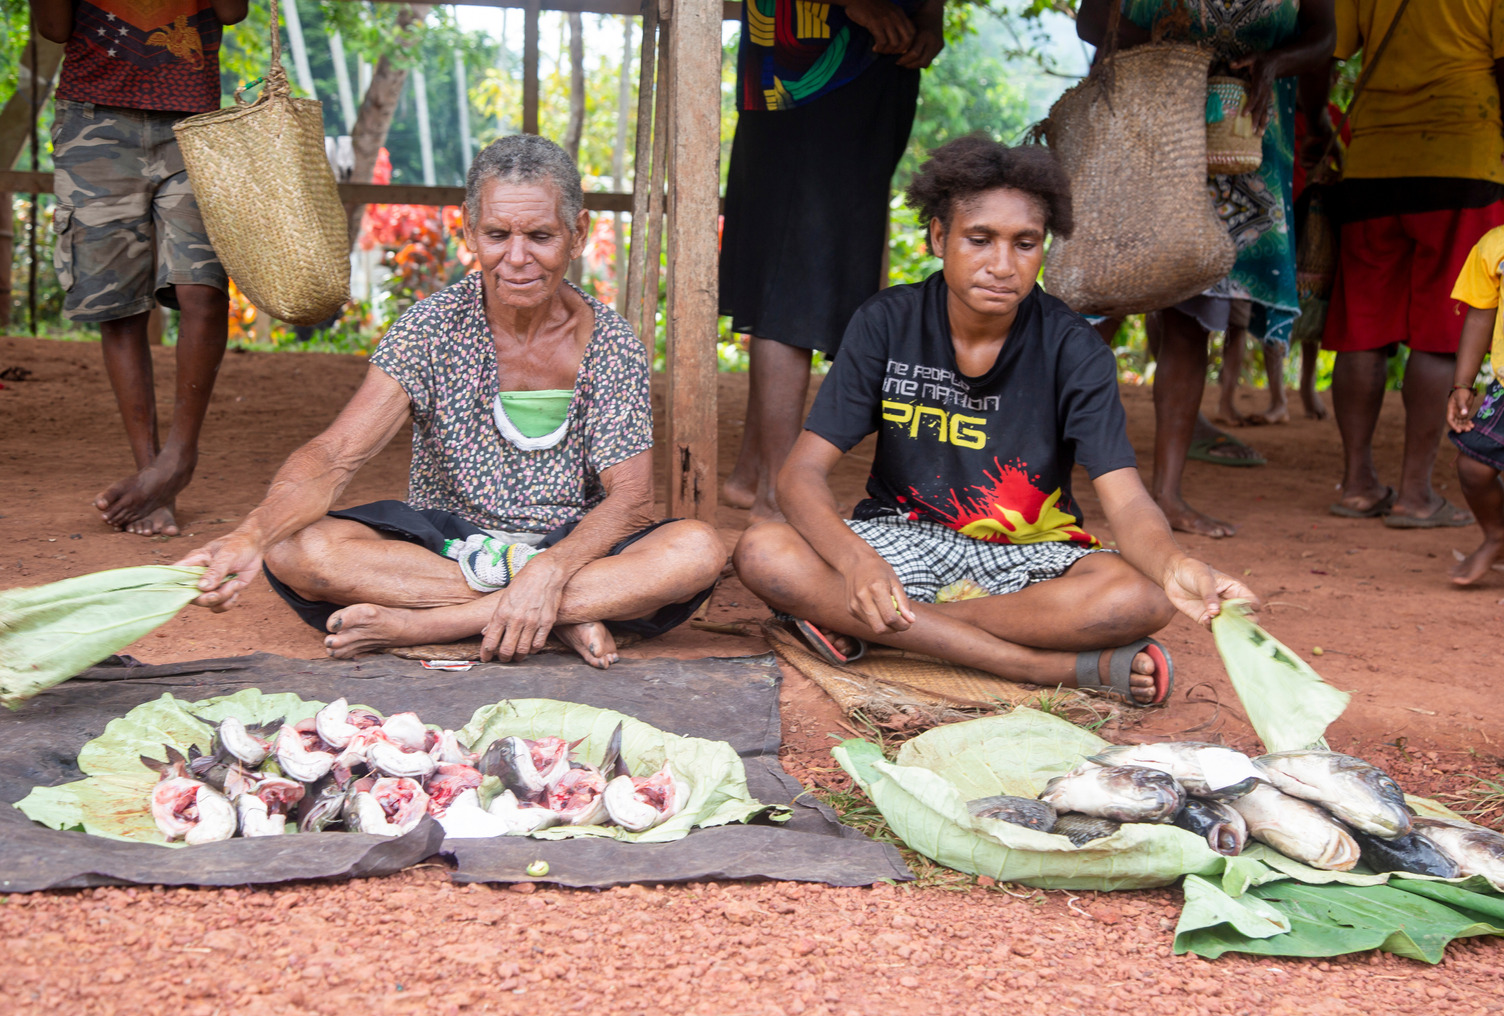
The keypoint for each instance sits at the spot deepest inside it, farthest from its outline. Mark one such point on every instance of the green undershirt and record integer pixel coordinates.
(537, 414)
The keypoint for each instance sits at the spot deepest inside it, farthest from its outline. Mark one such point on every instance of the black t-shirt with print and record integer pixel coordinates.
(989, 456)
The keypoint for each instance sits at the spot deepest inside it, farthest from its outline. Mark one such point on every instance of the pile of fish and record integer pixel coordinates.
(1319, 807)
(351, 769)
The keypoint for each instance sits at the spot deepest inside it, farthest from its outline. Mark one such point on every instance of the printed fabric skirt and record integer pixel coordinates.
(807, 208)
(1485, 442)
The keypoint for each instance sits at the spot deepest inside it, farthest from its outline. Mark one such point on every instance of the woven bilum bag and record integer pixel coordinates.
(269, 200)
(1132, 138)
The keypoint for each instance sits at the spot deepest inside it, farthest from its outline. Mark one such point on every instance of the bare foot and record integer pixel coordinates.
(1227, 412)
(1278, 412)
(141, 494)
(1477, 564)
(365, 628)
(1315, 406)
(592, 640)
(159, 523)
(738, 494)
(1185, 519)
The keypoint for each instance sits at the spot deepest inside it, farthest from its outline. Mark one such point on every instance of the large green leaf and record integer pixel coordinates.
(1410, 918)
(1288, 704)
(717, 780)
(114, 797)
(53, 632)
(923, 797)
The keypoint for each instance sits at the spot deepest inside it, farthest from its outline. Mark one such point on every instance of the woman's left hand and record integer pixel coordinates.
(1261, 75)
(525, 612)
(1198, 590)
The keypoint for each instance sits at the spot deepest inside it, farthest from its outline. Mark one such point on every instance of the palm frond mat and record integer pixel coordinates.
(908, 690)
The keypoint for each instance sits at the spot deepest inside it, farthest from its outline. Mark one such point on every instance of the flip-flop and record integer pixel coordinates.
(1376, 510)
(1120, 671)
(1444, 517)
(1202, 450)
(824, 647)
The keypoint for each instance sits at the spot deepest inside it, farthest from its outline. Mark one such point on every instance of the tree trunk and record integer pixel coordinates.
(425, 127)
(576, 86)
(379, 106)
(18, 113)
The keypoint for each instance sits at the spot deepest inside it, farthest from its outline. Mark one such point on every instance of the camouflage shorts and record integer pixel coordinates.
(127, 227)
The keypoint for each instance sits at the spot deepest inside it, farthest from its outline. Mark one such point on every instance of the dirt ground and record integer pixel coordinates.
(1412, 650)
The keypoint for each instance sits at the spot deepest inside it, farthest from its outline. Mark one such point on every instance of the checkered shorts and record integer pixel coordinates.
(928, 557)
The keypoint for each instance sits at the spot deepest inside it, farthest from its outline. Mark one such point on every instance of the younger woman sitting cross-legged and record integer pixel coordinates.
(985, 392)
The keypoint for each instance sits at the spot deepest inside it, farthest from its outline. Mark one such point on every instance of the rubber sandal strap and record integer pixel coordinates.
(1120, 670)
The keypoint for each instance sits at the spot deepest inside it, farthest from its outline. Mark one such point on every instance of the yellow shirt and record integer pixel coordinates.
(1478, 285)
(1432, 106)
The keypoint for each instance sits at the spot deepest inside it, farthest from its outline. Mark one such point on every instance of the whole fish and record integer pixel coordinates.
(1297, 829)
(321, 805)
(333, 724)
(1414, 853)
(1474, 849)
(296, 760)
(464, 818)
(579, 797)
(1220, 823)
(393, 760)
(1082, 829)
(1024, 811)
(1204, 770)
(521, 817)
(1121, 793)
(448, 781)
(637, 803)
(1360, 794)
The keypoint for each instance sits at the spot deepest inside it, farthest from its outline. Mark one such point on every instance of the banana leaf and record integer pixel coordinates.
(1411, 918)
(1288, 704)
(113, 799)
(923, 797)
(717, 781)
(53, 632)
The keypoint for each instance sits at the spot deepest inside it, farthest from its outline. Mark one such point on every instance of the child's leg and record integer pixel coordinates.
(1314, 404)
(1274, 370)
(1228, 376)
(1485, 496)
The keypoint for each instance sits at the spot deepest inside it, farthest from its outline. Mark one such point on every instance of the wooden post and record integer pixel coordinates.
(642, 174)
(694, 205)
(7, 255)
(662, 128)
(530, 68)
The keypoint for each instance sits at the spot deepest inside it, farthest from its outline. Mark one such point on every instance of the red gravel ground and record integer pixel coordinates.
(1416, 654)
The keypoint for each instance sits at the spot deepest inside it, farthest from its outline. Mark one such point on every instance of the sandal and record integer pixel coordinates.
(1204, 451)
(1375, 510)
(1120, 671)
(1445, 516)
(824, 647)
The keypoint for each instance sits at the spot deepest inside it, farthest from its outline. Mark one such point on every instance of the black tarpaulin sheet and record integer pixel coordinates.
(732, 700)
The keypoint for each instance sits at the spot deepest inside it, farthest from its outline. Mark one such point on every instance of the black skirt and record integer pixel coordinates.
(807, 208)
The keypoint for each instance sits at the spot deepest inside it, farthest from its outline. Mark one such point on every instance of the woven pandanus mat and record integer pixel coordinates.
(469, 649)
(886, 683)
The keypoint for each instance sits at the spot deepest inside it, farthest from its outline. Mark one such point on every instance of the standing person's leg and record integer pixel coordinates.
(1233, 341)
(188, 278)
(1484, 491)
(1315, 406)
(1357, 397)
(1428, 382)
(780, 377)
(1366, 320)
(127, 362)
(1179, 380)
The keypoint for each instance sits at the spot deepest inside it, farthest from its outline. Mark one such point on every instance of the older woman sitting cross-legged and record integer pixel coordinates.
(531, 486)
